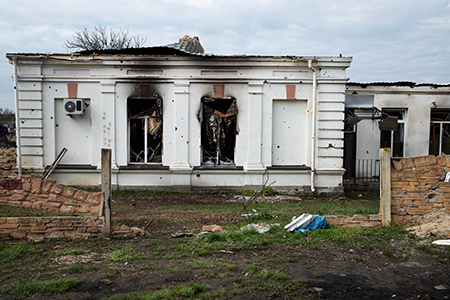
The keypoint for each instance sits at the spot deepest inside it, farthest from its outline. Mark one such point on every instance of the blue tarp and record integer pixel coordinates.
(317, 223)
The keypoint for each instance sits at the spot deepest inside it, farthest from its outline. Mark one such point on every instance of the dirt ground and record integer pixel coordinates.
(331, 274)
(318, 272)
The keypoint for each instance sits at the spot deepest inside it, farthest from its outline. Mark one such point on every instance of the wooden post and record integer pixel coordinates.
(385, 186)
(106, 191)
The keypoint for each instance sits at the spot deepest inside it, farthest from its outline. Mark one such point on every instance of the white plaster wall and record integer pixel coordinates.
(418, 102)
(181, 82)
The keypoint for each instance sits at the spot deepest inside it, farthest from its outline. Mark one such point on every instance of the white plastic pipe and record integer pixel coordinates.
(313, 142)
(16, 108)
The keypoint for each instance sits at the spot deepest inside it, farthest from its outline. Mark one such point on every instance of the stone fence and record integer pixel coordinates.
(45, 194)
(419, 186)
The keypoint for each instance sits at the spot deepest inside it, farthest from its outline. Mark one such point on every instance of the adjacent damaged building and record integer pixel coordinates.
(178, 118)
(411, 119)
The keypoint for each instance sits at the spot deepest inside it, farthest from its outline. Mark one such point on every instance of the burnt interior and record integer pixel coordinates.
(145, 116)
(219, 126)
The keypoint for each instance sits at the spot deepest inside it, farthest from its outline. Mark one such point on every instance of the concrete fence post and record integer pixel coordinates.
(106, 191)
(385, 186)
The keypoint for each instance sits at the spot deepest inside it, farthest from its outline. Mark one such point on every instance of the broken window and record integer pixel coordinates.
(145, 129)
(440, 131)
(395, 139)
(219, 126)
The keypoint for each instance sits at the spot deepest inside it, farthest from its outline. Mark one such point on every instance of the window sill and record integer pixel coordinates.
(220, 167)
(144, 167)
(287, 167)
(75, 167)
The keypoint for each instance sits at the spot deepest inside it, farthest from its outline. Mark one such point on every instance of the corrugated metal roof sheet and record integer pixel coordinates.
(188, 44)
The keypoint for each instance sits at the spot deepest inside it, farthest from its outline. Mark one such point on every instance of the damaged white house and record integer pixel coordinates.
(415, 121)
(176, 118)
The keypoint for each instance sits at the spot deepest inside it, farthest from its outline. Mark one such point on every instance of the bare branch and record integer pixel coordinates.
(100, 38)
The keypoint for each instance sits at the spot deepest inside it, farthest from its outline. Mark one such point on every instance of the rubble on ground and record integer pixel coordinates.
(434, 224)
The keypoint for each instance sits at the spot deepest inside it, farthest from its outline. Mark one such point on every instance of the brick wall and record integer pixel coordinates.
(51, 227)
(418, 187)
(357, 221)
(46, 194)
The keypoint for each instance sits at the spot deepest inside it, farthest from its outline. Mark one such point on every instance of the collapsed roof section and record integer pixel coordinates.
(186, 46)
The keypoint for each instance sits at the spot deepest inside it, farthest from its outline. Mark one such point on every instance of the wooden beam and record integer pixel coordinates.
(106, 191)
(385, 186)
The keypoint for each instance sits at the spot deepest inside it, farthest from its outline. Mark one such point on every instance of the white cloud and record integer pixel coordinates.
(389, 40)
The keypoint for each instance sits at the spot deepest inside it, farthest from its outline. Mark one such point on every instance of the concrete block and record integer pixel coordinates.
(26, 184)
(360, 218)
(374, 217)
(36, 183)
(371, 224)
(68, 191)
(54, 234)
(56, 189)
(397, 165)
(94, 198)
(16, 197)
(18, 234)
(67, 208)
(27, 204)
(428, 160)
(443, 159)
(408, 163)
(47, 185)
(80, 195)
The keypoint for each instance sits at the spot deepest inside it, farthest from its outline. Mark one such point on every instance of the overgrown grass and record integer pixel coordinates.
(75, 268)
(26, 287)
(124, 221)
(188, 291)
(351, 237)
(124, 254)
(283, 212)
(11, 253)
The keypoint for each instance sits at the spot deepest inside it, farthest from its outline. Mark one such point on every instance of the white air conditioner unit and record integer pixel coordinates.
(73, 106)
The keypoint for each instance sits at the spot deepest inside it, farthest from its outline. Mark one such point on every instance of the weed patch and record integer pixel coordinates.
(32, 287)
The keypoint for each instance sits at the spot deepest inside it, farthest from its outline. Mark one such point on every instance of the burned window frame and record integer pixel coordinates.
(151, 118)
(218, 131)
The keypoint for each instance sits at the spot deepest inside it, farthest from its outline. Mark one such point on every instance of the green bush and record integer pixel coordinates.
(248, 192)
(268, 191)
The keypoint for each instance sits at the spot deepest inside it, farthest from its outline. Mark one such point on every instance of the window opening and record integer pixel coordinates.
(395, 139)
(145, 121)
(439, 132)
(219, 119)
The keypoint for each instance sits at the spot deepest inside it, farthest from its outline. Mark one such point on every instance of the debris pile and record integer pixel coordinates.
(8, 160)
(434, 224)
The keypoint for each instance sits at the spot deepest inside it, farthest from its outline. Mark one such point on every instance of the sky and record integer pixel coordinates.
(389, 40)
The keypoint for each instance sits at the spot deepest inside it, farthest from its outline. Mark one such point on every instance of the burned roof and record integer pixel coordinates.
(186, 46)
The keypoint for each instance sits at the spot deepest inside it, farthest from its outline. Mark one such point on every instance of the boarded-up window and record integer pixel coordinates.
(289, 133)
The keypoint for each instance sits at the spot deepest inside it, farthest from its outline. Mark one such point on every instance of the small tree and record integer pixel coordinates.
(6, 115)
(103, 39)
